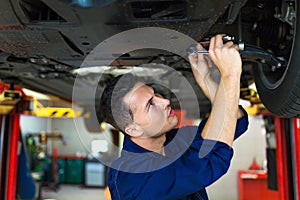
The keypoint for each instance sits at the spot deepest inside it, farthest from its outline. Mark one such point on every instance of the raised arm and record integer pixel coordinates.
(202, 66)
(224, 96)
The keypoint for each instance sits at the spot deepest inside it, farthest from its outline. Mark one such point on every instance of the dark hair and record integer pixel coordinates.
(113, 109)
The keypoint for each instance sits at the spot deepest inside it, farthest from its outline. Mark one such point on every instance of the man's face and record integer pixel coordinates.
(151, 112)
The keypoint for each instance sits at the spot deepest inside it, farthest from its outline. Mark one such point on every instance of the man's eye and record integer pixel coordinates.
(149, 105)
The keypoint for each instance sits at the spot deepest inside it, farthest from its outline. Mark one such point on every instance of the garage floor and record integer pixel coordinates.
(73, 192)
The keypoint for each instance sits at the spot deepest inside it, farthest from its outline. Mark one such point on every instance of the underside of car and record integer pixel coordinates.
(43, 44)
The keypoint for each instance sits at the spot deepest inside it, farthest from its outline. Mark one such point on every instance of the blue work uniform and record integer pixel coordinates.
(190, 164)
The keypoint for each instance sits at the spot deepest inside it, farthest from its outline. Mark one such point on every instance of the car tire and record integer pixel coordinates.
(280, 90)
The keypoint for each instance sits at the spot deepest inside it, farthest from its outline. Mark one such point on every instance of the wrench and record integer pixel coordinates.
(205, 43)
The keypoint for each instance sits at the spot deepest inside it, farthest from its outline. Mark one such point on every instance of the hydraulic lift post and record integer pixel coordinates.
(11, 106)
(287, 133)
(281, 158)
(296, 126)
(10, 133)
(13, 156)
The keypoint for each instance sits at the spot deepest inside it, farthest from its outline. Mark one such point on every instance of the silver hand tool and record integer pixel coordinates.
(205, 43)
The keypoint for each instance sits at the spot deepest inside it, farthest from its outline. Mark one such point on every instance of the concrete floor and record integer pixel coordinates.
(73, 192)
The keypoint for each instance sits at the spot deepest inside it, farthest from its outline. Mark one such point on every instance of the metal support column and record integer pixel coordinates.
(9, 137)
(3, 156)
(285, 158)
(296, 128)
(13, 157)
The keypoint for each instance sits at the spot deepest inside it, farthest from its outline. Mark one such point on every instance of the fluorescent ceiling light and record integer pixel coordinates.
(142, 70)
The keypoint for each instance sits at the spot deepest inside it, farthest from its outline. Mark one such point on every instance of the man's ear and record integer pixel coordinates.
(133, 130)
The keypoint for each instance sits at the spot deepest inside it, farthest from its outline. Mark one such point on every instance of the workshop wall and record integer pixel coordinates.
(32, 124)
(75, 134)
(250, 145)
